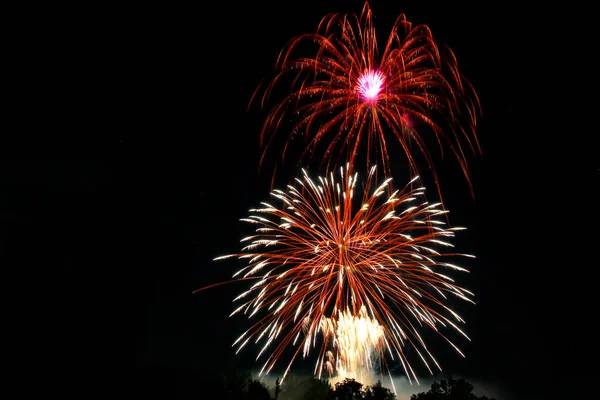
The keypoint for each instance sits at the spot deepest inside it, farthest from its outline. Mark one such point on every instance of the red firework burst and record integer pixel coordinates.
(349, 97)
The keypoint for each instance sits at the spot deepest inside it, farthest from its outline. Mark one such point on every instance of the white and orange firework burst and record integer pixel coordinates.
(362, 273)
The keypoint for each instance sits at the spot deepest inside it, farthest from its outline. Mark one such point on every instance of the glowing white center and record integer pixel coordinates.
(370, 84)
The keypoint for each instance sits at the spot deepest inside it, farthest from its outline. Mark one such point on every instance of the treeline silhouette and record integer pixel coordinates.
(241, 386)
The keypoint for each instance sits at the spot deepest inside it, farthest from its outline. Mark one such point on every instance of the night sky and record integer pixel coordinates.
(165, 163)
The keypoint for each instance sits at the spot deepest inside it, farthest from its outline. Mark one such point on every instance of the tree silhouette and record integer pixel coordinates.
(255, 390)
(306, 388)
(379, 392)
(452, 389)
(277, 389)
(349, 389)
(241, 386)
(291, 389)
(234, 386)
(316, 389)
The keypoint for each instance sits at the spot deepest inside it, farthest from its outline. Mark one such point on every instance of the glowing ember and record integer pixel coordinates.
(370, 84)
(358, 339)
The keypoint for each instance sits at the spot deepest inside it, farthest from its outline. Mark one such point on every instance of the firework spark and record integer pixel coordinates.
(357, 339)
(322, 257)
(347, 94)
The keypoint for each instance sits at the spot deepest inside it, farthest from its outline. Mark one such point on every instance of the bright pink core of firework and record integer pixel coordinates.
(370, 84)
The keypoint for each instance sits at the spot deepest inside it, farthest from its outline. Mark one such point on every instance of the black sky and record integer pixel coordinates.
(162, 161)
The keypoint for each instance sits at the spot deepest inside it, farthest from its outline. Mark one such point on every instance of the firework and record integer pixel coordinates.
(357, 340)
(324, 258)
(347, 96)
